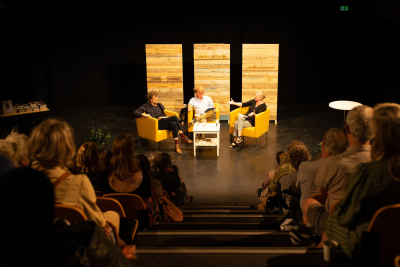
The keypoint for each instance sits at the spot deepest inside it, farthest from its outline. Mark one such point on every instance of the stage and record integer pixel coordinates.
(236, 174)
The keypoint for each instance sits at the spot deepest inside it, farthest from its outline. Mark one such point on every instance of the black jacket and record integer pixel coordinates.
(148, 109)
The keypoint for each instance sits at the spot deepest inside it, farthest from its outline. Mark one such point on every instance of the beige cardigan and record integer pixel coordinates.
(76, 190)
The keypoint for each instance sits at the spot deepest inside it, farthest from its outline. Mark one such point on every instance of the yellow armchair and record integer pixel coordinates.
(147, 128)
(261, 124)
(190, 117)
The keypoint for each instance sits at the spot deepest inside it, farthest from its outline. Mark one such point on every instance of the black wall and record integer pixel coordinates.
(95, 51)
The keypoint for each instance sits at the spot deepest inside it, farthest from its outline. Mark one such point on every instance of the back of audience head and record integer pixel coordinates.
(173, 169)
(294, 143)
(15, 148)
(143, 163)
(151, 160)
(284, 158)
(298, 154)
(358, 123)
(278, 157)
(52, 145)
(162, 161)
(87, 158)
(335, 141)
(123, 162)
(386, 126)
(105, 158)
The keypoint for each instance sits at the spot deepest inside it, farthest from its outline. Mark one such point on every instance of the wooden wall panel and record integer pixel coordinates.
(212, 71)
(260, 73)
(164, 74)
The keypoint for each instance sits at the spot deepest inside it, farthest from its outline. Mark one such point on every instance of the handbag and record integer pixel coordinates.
(85, 244)
(171, 212)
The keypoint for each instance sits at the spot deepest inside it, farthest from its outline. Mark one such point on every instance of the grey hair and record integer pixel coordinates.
(335, 141)
(359, 120)
(261, 94)
(14, 147)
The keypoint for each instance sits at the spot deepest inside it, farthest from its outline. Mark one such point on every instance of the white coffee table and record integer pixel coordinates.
(206, 128)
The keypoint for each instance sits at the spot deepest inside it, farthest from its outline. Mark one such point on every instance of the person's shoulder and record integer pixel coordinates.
(207, 97)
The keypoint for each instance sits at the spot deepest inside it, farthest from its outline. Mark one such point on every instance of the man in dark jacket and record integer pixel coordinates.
(155, 109)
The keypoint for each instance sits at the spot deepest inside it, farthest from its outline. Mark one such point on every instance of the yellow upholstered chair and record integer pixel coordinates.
(261, 125)
(147, 128)
(190, 117)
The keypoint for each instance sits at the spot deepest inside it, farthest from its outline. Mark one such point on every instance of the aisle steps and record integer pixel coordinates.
(218, 232)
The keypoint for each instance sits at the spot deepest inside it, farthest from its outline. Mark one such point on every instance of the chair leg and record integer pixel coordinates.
(156, 146)
(139, 140)
(256, 142)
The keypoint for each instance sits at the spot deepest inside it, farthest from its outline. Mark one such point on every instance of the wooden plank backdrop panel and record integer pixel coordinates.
(260, 73)
(164, 74)
(212, 71)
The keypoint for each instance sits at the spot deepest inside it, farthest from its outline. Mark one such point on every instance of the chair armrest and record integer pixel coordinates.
(147, 127)
(190, 116)
(216, 110)
(262, 123)
(170, 113)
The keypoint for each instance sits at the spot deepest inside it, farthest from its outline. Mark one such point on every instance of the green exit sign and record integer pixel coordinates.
(344, 8)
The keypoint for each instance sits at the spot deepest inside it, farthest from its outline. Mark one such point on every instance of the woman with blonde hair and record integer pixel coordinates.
(374, 185)
(15, 148)
(124, 175)
(88, 162)
(52, 150)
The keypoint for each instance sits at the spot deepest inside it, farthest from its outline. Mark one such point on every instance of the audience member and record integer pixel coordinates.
(182, 187)
(124, 175)
(334, 142)
(5, 165)
(270, 174)
(373, 186)
(52, 150)
(28, 214)
(170, 181)
(88, 162)
(285, 168)
(297, 154)
(151, 160)
(335, 173)
(14, 147)
(105, 158)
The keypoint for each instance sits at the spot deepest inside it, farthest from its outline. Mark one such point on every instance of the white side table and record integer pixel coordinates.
(344, 105)
(206, 128)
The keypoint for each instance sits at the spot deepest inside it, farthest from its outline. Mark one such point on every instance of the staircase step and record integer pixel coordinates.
(214, 239)
(239, 226)
(231, 250)
(225, 210)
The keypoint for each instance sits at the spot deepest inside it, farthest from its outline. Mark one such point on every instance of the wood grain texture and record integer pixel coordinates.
(260, 66)
(212, 72)
(164, 74)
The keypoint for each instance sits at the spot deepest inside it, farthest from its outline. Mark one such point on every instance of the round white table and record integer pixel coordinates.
(344, 105)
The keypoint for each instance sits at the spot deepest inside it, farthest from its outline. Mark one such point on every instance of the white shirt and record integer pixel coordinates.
(200, 106)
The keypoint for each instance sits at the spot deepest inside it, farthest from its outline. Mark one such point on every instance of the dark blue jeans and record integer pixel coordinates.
(171, 124)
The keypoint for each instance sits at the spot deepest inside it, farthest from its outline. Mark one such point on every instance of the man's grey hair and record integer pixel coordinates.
(335, 141)
(359, 120)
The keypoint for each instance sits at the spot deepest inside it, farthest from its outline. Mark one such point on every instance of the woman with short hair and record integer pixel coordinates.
(15, 148)
(256, 106)
(155, 109)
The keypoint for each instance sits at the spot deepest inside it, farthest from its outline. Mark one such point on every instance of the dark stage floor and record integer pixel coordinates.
(236, 174)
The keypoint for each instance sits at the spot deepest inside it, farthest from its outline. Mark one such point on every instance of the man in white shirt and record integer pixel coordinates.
(202, 105)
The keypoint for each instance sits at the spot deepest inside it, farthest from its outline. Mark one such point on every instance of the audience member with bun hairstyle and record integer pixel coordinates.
(88, 162)
(52, 151)
(15, 148)
(124, 175)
